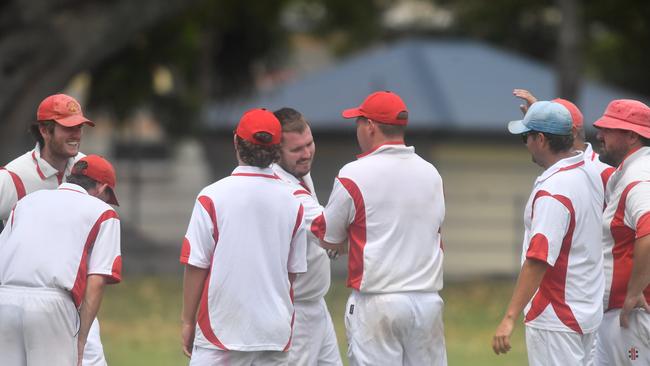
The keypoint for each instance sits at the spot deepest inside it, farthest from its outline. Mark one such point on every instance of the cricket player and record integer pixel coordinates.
(58, 250)
(624, 335)
(386, 210)
(245, 243)
(578, 131)
(57, 131)
(561, 283)
(314, 340)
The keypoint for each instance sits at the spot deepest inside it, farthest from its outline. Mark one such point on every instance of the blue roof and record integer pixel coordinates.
(450, 85)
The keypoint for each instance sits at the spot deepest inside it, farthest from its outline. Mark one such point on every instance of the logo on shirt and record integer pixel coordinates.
(633, 353)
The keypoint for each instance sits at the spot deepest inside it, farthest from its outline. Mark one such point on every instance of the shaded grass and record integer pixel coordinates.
(140, 322)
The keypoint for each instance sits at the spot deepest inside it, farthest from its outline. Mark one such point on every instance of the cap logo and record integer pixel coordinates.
(80, 167)
(73, 107)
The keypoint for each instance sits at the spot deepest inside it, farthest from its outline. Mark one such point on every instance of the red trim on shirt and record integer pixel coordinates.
(568, 167)
(204, 317)
(274, 176)
(538, 248)
(606, 174)
(301, 191)
(116, 270)
(38, 168)
(79, 287)
(293, 316)
(318, 227)
(378, 146)
(552, 290)
(643, 226)
(356, 234)
(298, 221)
(620, 166)
(623, 253)
(186, 249)
(18, 183)
(208, 205)
(302, 183)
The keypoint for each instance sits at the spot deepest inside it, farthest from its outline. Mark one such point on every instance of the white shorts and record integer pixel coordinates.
(94, 352)
(37, 327)
(550, 348)
(623, 346)
(314, 340)
(213, 357)
(395, 329)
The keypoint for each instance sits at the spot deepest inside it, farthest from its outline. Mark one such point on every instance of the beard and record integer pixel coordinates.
(611, 157)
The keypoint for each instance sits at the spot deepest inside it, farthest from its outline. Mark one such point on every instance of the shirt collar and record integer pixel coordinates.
(632, 156)
(305, 182)
(72, 187)
(390, 146)
(253, 171)
(569, 163)
(44, 169)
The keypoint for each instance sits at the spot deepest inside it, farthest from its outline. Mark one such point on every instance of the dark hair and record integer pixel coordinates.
(291, 120)
(260, 156)
(645, 141)
(391, 130)
(34, 130)
(557, 143)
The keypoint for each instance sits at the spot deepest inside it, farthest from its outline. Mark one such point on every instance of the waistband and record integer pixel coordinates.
(41, 291)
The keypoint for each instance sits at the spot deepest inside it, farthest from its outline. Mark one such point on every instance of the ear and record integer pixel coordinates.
(101, 188)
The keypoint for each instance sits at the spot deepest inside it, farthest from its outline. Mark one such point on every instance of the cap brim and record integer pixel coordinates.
(617, 124)
(74, 120)
(517, 127)
(351, 113)
(112, 199)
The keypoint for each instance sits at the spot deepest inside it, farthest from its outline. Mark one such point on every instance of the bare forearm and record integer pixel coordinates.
(193, 282)
(640, 277)
(530, 277)
(340, 247)
(90, 306)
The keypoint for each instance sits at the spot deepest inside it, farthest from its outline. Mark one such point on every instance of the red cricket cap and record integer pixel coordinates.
(576, 115)
(63, 109)
(100, 170)
(626, 114)
(381, 106)
(259, 120)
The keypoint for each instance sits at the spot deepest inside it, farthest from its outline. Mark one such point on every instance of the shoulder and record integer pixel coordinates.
(20, 162)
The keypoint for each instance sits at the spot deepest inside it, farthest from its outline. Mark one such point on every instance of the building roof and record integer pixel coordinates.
(448, 85)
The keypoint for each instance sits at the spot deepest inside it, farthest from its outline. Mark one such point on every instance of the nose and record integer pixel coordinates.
(599, 135)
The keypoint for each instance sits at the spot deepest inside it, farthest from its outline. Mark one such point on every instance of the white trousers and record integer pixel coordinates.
(37, 327)
(551, 348)
(213, 357)
(616, 346)
(94, 352)
(314, 341)
(395, 329)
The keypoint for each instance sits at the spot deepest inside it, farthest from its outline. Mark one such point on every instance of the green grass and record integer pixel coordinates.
(140, 322)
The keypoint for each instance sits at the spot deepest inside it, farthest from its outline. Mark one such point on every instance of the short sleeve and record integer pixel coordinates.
(8, 194)
(312, 209)
(637, 209)
(337, 216)
(105, 257)
(297, 262)
(202, 234)
(549, 226)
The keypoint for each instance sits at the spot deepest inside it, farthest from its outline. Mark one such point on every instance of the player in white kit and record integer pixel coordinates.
(386, 210)
(58, 132)
(561, 282)
(58, 250)
(244, 245)
(314, 340)
(624, 335)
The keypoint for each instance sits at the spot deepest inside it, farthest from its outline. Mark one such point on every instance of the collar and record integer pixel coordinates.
(253, 171)
(306, 181)
(45, 170)
(590, 154)
(390, 146)
(72, 187)
(565, 164)
(633, 156)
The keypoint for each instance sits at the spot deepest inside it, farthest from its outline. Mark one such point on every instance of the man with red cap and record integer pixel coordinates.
(54, 263)
(386, 210)
(579, 139)
(624, 134)
(57, 131)
(244, 245)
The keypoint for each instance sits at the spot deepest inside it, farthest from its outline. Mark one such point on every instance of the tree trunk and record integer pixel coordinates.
(569, 50)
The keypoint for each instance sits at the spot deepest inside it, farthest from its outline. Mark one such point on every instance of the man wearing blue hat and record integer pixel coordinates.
(561, 284)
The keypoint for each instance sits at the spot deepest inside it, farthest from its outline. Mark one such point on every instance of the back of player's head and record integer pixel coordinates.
(93, 169)
(258, 136)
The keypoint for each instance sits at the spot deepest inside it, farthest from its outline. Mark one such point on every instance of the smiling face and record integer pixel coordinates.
(61, 142)
(297, 152)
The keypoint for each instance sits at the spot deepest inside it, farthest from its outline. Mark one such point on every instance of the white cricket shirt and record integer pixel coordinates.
(26, 174)
(314, 283)
(562, 220)
(56, 238)
(389, 206)
(591, 157)
(248, 230)
(626, 218)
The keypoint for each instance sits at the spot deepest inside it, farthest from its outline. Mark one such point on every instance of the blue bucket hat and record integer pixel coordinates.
(544, 116)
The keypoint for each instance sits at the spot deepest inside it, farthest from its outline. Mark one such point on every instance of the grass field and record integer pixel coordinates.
(140, 322)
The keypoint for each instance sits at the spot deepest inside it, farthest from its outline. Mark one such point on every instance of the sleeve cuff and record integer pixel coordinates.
(538, 248)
